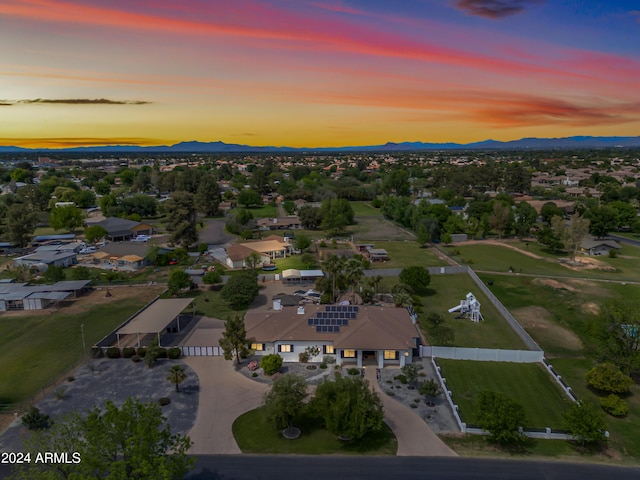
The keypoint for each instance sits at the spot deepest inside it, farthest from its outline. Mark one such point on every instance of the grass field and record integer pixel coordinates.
(566, 309)
(35, 350)
(496, 258)
(376, 228)
(527, 383)
(407, 254)
(364, 209)
(446, 291)
(255, 435)
(263, 211)
(210, 303)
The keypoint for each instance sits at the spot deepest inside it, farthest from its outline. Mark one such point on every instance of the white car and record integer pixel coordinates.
(141, 238)
(88, 250)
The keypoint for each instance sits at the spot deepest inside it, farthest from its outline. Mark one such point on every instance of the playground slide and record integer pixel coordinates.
(455, 309)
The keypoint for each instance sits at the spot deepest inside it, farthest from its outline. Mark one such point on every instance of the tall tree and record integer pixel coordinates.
(240, 290)
(501, 416)
(68, 218)
(349, 407)
(181, 218)
(20, 224)
(208, 196)
(234, 340)
(617, 332)
(333, 265)
(178, 280)
(285, 401)
(585, 421)
(353, 272)
(571, 235)
(177, 375)
(499, 217)
(132, 441)
(416, 276)
(248, 197)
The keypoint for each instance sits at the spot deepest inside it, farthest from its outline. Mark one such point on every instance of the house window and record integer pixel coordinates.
(328, 349)
(390, 354)
(285, 348)
(348, 354)
(258, 347)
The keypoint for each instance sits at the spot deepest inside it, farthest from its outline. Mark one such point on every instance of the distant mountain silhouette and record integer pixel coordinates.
(221, 147)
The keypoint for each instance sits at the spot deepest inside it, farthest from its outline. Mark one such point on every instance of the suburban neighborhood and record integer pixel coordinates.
(425, 289)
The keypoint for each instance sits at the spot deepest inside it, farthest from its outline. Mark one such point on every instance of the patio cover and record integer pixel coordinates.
(156, 317)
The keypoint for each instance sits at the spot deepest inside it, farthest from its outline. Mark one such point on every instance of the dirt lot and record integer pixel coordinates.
(95, 297)
(377, 228)
(536, 321)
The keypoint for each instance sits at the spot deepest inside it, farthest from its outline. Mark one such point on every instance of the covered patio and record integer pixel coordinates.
(155, 319)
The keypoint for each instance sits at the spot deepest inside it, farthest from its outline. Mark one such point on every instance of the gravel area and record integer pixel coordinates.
(116, 380)
(439, 416)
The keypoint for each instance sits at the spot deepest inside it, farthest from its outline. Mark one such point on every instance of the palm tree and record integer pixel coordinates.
(333, 265)
(354, 272)
(177, 375)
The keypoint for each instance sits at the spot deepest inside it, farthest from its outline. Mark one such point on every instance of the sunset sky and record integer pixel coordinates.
(316, 72)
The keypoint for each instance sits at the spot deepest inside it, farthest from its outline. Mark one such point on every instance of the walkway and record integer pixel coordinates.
(224, 396)
(415, 438)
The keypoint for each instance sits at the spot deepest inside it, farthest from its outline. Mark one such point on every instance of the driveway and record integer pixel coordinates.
(224, 396)
(415, 438)
(213, 233)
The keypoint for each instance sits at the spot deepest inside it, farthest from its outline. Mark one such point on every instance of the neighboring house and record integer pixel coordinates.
(20, 296)
(42, 260)
(268, 249)
(598, 246)
(119, 229)
(280, 223)
(122, 256)
(300, 277)
(351, 334)
(67, 247)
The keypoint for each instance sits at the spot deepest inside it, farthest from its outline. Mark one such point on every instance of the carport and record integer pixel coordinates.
(155, 318)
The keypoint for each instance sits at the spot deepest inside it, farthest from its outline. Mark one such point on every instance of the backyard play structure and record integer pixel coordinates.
(469, 308)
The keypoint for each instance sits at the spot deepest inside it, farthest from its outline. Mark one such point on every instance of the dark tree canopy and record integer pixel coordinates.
(181, 218)
(240, 290)
(285, 401)
(416, 277)
(501, 416)
(132, 441)
(234, 340)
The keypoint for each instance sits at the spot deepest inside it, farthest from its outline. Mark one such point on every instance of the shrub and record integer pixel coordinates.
(328, 359)
(323, 366)
(413, 405)
(614, 405)
(113, 352)
(34, 419)
(174, 353)
(71, 379)
(303, 357)
(164, 401)
(128, 352)
(142, 351)
(311, 367)
(353, 371)
(271, 363)
(162, 353)
(613, 253)
(275, 377)
(606, 377)
(136, 358)
(390, 393)
(60, 393)
(401, 378)
(254, 374)
(96, 352)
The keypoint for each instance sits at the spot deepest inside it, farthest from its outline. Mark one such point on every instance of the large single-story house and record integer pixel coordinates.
(119, 229)
(268, 249)
(351, 334)
(122, 256)
(598, 246)
(293, 276)
(280, 223)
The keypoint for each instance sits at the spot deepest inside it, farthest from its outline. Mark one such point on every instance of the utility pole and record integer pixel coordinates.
(84, 345)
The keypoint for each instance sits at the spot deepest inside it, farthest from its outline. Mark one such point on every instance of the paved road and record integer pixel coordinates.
(272, 467)
(630, 241)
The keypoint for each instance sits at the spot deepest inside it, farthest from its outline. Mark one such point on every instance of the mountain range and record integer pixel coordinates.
(221, 147)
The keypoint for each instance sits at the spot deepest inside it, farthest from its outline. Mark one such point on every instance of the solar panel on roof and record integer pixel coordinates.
(310, 321)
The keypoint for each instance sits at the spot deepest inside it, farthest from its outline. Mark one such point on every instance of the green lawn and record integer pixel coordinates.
(289, 262)
(264, 211)
(36, 350)
(527, 383)
(407, 254)
(210, 303)
(364, 209)
(564, 311)
(446, 291)
(255, 435)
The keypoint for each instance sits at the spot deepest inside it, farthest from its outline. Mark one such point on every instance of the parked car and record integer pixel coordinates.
(88, 250)
(141, 238)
